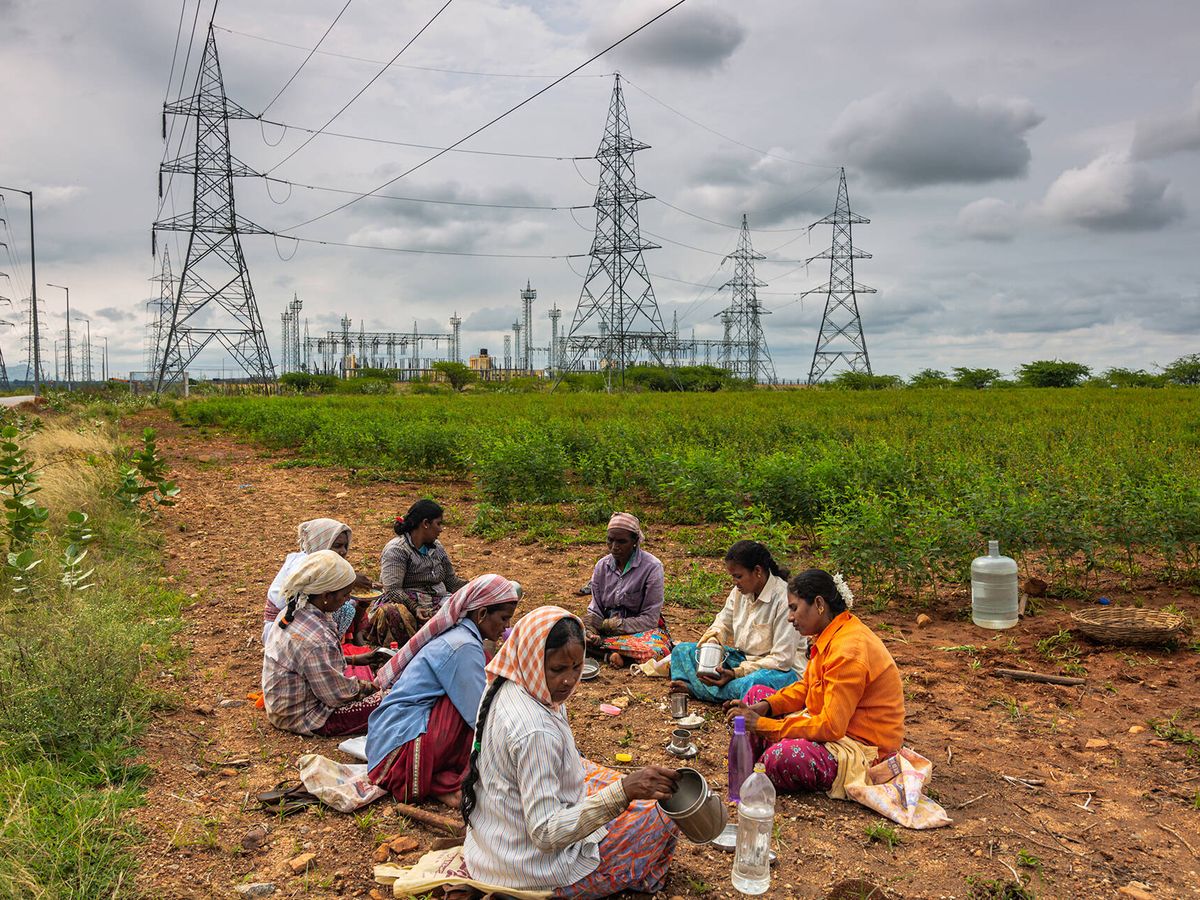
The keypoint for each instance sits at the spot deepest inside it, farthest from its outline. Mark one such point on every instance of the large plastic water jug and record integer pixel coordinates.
(994, 601)
(756, 821)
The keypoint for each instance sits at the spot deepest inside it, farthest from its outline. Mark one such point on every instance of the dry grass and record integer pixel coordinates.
(75, 465)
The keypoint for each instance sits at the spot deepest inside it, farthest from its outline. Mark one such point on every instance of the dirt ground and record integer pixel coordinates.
(1074, 821)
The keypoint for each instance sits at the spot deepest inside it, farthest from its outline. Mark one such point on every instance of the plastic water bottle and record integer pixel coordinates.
(741, 758)
(994, 600)
(756, 821)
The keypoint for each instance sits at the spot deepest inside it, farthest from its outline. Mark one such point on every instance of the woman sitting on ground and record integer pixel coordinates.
(313, 535)
(304, 690)
(760, 647)
(419, 739)
(539, 817)
(850, 703)
(624, 618)
(417, 577)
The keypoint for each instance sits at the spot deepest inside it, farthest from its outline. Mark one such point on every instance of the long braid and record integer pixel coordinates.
(472, 779)
(290, 613)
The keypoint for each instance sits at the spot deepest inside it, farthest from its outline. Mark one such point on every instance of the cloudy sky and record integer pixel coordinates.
(1031, 170)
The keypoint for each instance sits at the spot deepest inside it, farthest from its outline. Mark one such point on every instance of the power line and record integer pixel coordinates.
(419, 251)
(364, 88)
(287, 83)
(726, 137)
(493, 121)
(375, 140)
(333, 190)
(439, 69)
(739, 227)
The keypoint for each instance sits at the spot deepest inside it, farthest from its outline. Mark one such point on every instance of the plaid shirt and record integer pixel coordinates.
(404, 567)
(302, 678)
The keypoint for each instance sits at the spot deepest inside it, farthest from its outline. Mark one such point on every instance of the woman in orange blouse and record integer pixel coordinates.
(850, 691)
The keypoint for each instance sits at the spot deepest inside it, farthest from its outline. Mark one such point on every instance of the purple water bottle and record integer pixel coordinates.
(741, 758)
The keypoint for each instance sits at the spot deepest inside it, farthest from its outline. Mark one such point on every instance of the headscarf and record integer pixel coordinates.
(318, 573)
(319, 534)
(628, 522)
(486, 590)
(522, 658)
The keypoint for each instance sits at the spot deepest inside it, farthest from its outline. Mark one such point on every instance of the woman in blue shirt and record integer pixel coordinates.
(419, 738)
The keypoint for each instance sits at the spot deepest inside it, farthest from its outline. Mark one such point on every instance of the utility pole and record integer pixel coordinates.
(617, 294)
(36, 350)
(106, 359)
(841, 336)
(215, 279)
(455, 338)
(553, 358)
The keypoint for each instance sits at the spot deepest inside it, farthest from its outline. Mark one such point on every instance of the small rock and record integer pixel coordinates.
(203, 710)
(677, 897)
(254, 839)
(340, 494)
(228, 773)
(239, 590)
(258, 889)
(376, 895)
(382, 853)
(1097, 744)
(923, 620)
(1137, 890)
(301, 863)
(231, 704)
(1136, 729)
(1158, 743)
(404, 845)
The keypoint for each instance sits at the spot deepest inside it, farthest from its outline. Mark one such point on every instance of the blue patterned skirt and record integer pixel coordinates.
(683, 668)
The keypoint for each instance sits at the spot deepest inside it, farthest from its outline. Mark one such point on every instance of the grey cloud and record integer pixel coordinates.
(989, 219)
(1164, 134)
(114, 314)
(770, 191)
(1113, 194)
(694, 38)
(928, 137)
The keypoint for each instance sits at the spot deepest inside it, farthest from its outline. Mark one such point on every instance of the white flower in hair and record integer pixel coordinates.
(843, 590)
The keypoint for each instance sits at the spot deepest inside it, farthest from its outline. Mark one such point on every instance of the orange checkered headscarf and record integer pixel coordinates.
(522, 658)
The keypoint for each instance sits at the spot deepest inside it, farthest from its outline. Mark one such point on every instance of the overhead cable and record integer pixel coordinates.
(364, 88)
(375, 140)
(303, 63)
(494, 120)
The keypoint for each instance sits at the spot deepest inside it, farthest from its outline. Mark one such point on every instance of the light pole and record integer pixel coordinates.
(37, 350)
(56, 361)
(106, 359)
(68, 290)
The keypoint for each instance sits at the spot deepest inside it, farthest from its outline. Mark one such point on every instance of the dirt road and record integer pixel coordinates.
(1087, 819)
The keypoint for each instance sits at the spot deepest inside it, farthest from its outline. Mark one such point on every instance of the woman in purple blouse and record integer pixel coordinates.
(624, 619)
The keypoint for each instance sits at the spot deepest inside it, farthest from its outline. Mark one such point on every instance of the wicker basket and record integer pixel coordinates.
(1116, 625)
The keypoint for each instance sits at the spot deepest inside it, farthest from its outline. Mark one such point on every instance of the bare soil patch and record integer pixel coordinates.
(1085, 820)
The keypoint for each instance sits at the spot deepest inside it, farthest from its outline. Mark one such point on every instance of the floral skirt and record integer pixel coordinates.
(645, 645)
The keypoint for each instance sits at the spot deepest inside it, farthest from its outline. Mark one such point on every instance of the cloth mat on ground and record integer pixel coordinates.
(442, 867)
(355, 746)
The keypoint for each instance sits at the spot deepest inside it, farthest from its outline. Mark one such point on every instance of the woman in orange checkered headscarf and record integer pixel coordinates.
(539, 816)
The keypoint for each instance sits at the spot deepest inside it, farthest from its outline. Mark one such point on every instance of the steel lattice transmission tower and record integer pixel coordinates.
(617, 318)
(290, 320)
(748, 355)
(215, 300)
(841, 335)
(159, 318)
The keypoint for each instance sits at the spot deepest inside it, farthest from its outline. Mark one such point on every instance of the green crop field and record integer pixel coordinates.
(900, 488)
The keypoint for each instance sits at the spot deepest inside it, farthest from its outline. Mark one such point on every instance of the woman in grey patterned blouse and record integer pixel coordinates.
(417, 576)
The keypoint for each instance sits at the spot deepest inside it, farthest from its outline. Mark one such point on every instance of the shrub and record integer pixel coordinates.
(1053, 373)
(530, 468)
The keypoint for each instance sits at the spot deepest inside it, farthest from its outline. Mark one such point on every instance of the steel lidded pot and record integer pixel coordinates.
(699, 813)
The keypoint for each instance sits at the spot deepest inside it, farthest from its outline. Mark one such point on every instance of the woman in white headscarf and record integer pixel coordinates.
(304, 688)
(313, 535)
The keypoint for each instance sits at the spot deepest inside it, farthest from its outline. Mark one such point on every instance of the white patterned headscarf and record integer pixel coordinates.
(318, 573)
(319, 534)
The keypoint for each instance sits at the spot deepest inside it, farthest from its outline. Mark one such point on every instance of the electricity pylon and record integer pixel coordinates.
(215, 300)
(617, 318)
(841, 335)
(748, 355)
